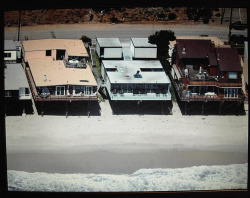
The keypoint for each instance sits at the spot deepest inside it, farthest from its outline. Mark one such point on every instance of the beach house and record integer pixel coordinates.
(57, 70)
(203, 71)
(17, 93)
(12, 51)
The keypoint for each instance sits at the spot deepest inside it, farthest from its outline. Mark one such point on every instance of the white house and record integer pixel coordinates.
(12, 51)
(137, 80)
(109, 48)
(16, 84)
(142, 49)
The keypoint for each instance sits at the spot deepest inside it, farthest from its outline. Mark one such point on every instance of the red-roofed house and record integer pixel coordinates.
(204, 72)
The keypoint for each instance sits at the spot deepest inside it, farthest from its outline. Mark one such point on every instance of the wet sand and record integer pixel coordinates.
(105, 162)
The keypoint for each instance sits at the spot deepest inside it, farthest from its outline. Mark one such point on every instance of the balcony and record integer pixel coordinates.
(139, 95)
(69, 97)
(75, 63)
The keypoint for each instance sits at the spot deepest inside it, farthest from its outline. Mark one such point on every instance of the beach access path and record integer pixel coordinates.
(118, 144)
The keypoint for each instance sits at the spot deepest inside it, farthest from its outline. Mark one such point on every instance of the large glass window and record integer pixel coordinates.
(60, 90)
(232, 75)
(7, 55)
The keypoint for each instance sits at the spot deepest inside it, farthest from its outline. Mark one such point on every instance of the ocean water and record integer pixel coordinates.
(181, 179)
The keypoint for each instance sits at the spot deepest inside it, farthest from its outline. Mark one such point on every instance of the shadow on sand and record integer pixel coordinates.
(211, 108)
(141, 108)
(62, 108)
(16, 107)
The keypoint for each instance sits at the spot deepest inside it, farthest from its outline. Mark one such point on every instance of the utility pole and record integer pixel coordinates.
(230, 25)
(222, 15)
(19, 25)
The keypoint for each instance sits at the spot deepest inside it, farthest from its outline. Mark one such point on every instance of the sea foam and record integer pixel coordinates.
(180, 179)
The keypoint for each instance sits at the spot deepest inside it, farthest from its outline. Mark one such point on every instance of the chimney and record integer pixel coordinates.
(212, 46)
(45, 78)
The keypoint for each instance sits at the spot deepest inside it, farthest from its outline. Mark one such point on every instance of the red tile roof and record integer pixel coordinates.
(195, 48)
(228, 59)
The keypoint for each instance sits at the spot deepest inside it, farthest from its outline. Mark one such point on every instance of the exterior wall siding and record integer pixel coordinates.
(145, 53)
(112, 52)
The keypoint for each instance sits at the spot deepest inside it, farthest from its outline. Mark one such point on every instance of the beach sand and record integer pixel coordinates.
(117, 144)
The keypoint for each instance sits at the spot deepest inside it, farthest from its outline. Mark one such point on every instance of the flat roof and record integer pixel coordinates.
(9, 45)
(72, 46)
(125, 71)
(142, 42)
(109, 42)
(57, 74)
(15, 77)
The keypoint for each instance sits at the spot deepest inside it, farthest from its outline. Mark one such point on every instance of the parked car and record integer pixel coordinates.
(238, 39)
(238, 26)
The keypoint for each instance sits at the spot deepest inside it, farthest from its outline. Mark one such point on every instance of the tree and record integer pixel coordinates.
(86, 39)
(161, 39)
(199, 13)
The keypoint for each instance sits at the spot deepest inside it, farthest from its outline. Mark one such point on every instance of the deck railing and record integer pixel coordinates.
(66, 97)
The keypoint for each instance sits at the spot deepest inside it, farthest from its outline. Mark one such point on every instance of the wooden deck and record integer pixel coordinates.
(66, 98)
(186, 97)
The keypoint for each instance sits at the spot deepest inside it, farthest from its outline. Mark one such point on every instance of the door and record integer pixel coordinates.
(88, 90)
(60, 90)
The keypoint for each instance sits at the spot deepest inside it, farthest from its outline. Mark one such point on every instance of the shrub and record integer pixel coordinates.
(172, 16)
(113, 20)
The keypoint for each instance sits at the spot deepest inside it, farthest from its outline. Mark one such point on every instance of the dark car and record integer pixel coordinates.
(238, 26)
(238, 39)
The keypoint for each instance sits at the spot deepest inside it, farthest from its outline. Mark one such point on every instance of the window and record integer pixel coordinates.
(60, 90)
(79, 89)
(151, 69)
(111, 69)
(7, 93)
(232, 75)
(48, 52)
(230, 93)
(7, 55)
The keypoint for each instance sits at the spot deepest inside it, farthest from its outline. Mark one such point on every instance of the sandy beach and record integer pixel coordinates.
(123, 143)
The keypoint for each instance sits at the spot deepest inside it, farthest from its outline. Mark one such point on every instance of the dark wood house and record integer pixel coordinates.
(204, 72)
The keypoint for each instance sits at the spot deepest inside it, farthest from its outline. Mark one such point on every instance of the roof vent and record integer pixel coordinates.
(45, 78)
(218, 57)
(184, 50)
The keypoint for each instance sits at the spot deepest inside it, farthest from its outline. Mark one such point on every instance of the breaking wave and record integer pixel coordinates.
(180, 179)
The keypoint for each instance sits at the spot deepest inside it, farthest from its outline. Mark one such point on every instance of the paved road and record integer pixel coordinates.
(123, 31)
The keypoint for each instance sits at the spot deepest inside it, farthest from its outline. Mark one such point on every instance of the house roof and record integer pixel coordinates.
(72, 46)
(195, 48)
(57, 74)
(15, 77)
(125, 71)
(228, 59)
(142, 42)
(109, 42)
